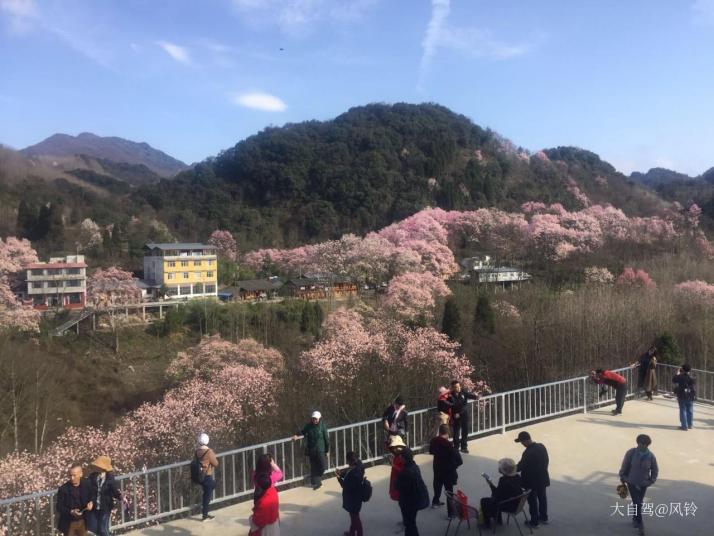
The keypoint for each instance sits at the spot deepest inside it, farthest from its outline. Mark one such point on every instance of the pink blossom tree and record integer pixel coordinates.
(635, 278)
(15, 255)
(597, 275)
(225, 244)
(414, 296)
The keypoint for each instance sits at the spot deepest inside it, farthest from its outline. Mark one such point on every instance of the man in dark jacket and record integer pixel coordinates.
(459, 400)
(413, 495)
(614, 380)
(446, 461)
(395, 420)
(351, 481)
(534, 476)
(639, 471)
(684, 388)
(73, 500)
(317, 447)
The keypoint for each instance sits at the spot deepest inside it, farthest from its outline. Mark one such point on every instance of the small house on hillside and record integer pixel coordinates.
(320, 287)
(481, 269)
(252, 289)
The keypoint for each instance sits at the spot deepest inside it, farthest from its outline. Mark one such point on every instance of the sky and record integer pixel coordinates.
(631, 80)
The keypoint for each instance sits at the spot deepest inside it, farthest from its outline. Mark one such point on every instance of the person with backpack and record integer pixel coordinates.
(639, 471)
(459, 400)
(203, 467)
(684, 388)
(614, 380)
(413, 495)
(265, 520)
(105, 491)
(317, 447)
(446, 462)
(354, 492)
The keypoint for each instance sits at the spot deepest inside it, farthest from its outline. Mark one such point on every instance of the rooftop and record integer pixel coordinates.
(179, 245)
(585, 455)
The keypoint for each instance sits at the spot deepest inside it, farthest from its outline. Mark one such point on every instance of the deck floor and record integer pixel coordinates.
(585, 455)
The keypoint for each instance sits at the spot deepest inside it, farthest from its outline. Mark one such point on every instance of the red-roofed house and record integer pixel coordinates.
(61, 282)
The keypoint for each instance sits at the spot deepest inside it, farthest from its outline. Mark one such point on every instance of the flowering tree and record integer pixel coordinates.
(15, 254)
(90, 235)
(226, 245)
(413, 296)
(597, 275)
(635, 278)
(506, 310)
(110, 289)
(696, 291)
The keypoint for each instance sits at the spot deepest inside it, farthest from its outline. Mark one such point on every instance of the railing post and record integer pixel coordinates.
(503, 413)
(585, 395)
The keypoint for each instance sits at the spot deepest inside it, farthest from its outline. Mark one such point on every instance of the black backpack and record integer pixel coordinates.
(198, 472)
(685, 390)
(365, 490)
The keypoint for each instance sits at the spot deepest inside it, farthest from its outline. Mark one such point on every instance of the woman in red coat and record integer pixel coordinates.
(265, 520)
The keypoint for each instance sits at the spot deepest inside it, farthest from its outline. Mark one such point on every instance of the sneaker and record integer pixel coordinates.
(437, 504)
(207, 517)
(683, 428)
(317, 486)
(465, 450)
(615, 412)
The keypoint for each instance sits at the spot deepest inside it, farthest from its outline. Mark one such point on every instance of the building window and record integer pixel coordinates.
(74, 283)
(209, 274)
(172, 291)
(184, 264)
(54, 284)
(198, 288)
(39, 300)
(169, 276)
(197, 275)
(75, 298)
(210, 289)
(197, 263)
(185, 290)
(210, 263)
(54, 271)
(172, 264)
(73, 271)
(185, 275)
(37, 284)
(37, 272)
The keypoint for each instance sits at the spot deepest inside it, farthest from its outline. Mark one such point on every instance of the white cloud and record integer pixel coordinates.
(20, 13)
(299, 16)
(260, 101)
(703, 11)
(177, 52)
(474, 42)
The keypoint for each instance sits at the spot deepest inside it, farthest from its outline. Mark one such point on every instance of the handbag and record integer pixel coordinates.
(622, 491)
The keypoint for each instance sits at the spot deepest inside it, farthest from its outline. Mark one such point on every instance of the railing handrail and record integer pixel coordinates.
(504, 409)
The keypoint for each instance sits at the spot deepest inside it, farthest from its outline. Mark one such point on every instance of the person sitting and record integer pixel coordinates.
(509, 487)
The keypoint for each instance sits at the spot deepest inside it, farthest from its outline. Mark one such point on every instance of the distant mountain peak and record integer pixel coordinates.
(111, 148)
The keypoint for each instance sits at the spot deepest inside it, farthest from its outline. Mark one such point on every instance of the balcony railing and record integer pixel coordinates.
(158, 493)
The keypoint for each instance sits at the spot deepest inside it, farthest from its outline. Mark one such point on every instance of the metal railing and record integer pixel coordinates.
(159, 493)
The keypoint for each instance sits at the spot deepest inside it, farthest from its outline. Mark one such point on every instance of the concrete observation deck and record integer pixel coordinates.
(585, 455)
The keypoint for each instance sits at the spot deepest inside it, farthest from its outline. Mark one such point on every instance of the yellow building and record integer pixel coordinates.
(184, 270)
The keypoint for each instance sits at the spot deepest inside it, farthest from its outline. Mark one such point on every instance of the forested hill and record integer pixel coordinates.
(371, 166)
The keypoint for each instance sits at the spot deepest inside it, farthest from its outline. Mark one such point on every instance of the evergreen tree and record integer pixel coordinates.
(484, 318)
(26, 221)
(451, 323)
(668, 350)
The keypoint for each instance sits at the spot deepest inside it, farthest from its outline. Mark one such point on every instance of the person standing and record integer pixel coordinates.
(443, 406)
(647, 371)
(351, 481)
(265, 520)
(684, 388)
(208, 461)
(105, 492)
(317, 447)
(614, 380)
(446, 462)
(413, 495)
(395, 420)
(74, 499)
(459, 400)
(534, 476)
(639, 471)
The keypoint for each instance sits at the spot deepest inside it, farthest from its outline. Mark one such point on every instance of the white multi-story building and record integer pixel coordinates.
(61, 282)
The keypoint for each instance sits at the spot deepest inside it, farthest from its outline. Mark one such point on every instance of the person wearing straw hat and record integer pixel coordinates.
(317, 447)
(208, 460)
(509, 487)
(104, 492)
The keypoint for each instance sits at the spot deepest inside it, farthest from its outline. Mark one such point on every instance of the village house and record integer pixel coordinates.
(320, 287)
(481, 269)
(181, 270)
(61, 282)
(251, 290)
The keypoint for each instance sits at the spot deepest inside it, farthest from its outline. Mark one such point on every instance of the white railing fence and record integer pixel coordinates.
(163, 492)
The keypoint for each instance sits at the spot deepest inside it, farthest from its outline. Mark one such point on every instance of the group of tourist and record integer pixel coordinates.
(85, 502)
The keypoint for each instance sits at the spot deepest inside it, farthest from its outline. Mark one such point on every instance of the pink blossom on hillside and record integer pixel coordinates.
(577, 193)
(214, 353)
(15, 255)
(530, 207)
(601, 181)
(225, 244)
(13, 314)
(699, 292)
(412, 295)
(704, 247)
(90, 235)
(635, 278)
(692, 215)
(540, 155)
(112, 286)
(506, 310)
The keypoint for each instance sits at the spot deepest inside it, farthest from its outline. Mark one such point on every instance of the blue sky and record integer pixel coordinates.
(631, 80)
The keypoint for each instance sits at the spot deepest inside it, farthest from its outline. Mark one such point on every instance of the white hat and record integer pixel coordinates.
(316, 415)
(203, 439)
